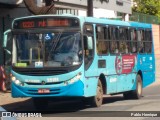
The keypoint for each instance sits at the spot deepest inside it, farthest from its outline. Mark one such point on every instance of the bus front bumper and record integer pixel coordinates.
(76, 89)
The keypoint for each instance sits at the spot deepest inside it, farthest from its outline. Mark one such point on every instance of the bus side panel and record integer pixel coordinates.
(90, 87)
(111, 84)
(126, 82)
(147, 67)
(108, 69)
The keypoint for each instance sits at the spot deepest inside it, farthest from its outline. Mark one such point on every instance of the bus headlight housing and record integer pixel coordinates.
(74, 79)
(16, 81)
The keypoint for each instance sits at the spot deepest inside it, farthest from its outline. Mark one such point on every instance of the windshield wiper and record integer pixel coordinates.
(54, 44)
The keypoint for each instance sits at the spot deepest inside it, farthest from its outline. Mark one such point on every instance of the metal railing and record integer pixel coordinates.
(140, 17)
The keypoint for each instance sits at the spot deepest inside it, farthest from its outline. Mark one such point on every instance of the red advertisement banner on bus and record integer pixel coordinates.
(124, 64)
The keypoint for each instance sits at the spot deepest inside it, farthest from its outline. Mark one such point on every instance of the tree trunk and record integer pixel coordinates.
(48, 2)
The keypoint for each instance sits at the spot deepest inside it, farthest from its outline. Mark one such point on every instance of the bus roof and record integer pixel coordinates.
(97, 21)
(140, 25)
(106, 21)
(117, 22)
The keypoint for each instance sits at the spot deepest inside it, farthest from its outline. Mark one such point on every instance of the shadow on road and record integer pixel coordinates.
(58, 106)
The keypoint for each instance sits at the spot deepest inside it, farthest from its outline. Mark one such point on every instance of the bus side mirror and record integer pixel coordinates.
(5, 38)
(7, 51)
(88, 42)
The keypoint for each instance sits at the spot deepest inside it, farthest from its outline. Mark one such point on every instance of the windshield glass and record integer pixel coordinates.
(54, 49)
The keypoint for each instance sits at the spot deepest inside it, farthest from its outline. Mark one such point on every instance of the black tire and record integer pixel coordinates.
(40, 103)
(136, 94)
(97, 100)
(127, 95)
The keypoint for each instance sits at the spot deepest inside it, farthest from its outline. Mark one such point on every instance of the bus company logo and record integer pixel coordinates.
(43, 82)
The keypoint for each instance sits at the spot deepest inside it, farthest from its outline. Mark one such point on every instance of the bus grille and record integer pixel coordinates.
(45, 71)
(39, 72)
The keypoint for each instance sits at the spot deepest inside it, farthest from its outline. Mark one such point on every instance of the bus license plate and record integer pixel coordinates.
(43, 91)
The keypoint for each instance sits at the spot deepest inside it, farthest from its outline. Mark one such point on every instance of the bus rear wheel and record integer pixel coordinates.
(40, 103)
(137, 93)
(97, 100)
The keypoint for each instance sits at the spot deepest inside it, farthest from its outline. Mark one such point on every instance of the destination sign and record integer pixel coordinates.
(45, 23)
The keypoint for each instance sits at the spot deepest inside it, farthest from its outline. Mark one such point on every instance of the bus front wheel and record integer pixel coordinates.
(97, 100)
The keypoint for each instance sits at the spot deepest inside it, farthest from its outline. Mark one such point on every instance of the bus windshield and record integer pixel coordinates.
(54, 49)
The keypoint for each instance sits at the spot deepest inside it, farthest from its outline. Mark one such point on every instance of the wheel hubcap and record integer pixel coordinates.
(139, 88)
(99, 93)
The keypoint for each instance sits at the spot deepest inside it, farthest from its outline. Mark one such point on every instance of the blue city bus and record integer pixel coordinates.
(82, 57)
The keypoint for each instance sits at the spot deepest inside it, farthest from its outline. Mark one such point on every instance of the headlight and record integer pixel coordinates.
(74, 79)
(13, 78)
(17, 82)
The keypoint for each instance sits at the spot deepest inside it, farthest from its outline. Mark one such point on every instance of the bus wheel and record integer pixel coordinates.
(127, 95)
(137, 94)
(97, 100)
(40, 103)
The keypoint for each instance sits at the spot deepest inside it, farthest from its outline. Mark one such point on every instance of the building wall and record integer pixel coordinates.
(6, 17)
(123, 6)
(99, 13)
(8, 14)
(156, 37)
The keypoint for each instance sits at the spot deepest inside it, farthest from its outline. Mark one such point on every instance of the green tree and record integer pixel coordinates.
(151, 7)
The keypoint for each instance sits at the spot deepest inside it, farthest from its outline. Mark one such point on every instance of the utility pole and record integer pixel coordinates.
(90, 8)
(48, 2)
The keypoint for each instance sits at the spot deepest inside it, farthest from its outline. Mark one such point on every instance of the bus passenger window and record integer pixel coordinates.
(133, 37)
(88, 41)
(113, 38)
(122, 34)
(123, 47)
(101, 36)
(102, 47)
(148, 42)
(88, 29)
(140, 36)
(114, 47)
(88, 50)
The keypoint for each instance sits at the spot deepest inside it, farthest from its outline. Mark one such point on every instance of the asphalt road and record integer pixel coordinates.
(113, 106)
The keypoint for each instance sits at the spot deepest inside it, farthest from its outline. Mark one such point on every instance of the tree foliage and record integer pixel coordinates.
(151, 7)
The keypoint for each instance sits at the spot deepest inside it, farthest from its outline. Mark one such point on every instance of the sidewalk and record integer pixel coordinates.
(6, 98)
